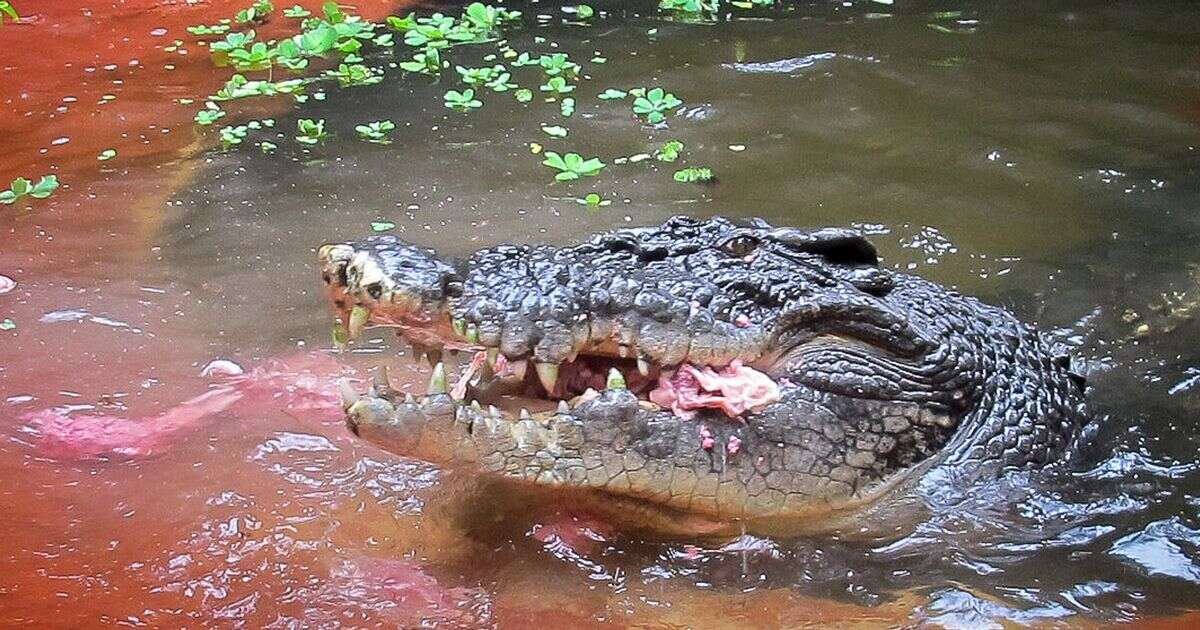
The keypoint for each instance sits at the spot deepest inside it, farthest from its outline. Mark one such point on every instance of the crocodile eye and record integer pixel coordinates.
(740, 245)
(374, 290)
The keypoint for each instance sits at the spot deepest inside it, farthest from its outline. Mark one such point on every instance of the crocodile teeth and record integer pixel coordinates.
(548, 375)
(437, 380)
(409, 399)
(493, 411)
(525, 415)
(623, 350)
(358, 320)
(616, 380)
(476, 406)
(643, 366)
(349, 396)
(563, 407)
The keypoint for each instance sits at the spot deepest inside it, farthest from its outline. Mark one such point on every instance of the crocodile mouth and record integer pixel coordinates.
(364, 297)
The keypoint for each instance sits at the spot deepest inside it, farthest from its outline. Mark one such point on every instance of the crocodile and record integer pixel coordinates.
(703, 376)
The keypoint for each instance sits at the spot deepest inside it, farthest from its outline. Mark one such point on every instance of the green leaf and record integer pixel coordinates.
(584, 12)
(523, 95)
(693, 175)
(106, 155)
(7, 324)
(554, 160)
(567, 107)
(45, 187)
(612, 94)
(382, 226)
(669, 152)
(556, 131)
(20, 186)
(7, 197)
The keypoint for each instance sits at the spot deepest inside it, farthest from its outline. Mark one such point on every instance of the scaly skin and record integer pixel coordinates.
(881, 375)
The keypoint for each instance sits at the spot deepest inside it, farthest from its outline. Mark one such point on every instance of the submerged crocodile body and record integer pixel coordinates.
(703, 376)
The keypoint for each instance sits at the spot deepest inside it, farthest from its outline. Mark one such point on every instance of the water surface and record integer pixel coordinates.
(1041, 156)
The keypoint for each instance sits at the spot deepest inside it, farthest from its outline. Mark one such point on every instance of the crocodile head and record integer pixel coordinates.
(698, 376)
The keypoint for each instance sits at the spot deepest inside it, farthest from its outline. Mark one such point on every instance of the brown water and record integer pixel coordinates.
(1042, 157)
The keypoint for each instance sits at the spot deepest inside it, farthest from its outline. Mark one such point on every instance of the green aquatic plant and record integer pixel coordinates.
(296, 11)
(376, 132)
(268, 147)
(257, 57)
(349, 75)
(612, 94)
(557, 85)
(204, 29)
(523, 95)
(572, 166)
(669, 151)
(22, 187)
(6, 8)
(693, 175)
(555, 130)
(462, 101)
(479, 77)
(558, 65)
(382, 226)
(428, 61)
(438, 31)
(238, 86)
(107, 155)
(567, 107)
(311, 131)
(584, 12)
(233, 41)
(210, 115)
(654, 104)
(233, 135)
(690, 9)
(593, 200)
(486, 17)
(256, 12)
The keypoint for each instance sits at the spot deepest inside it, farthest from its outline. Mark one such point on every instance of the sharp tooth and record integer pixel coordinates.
(518, 369)
(472, 333)
(493, 411)
(409, 399)
(349, 396)
(548, 375)
(616, 380)
(358, 320)
(476, 406)
(563, 407)
(643, 366)
(623, 350)
(437, 380)
(492, 354)
(459, 326)
(525, 414)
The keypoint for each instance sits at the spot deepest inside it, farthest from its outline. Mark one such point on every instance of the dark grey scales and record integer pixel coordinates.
(882, 376)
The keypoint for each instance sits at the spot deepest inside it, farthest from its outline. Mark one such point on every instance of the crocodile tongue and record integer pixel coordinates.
(734, 390)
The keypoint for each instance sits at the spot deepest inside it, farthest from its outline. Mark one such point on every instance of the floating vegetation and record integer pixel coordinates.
(22, 187)
(337, 42)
